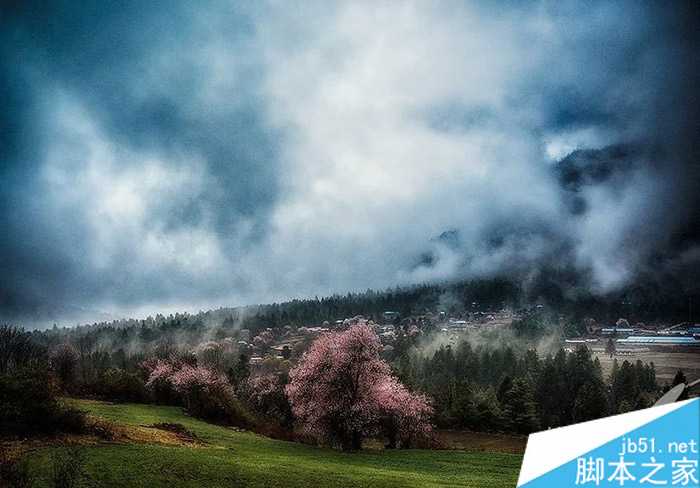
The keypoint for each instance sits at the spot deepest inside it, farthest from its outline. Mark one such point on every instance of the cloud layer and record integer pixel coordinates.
(170, 156)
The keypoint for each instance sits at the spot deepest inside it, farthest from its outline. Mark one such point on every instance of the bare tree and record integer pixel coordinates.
(16, 348)
(64, 359)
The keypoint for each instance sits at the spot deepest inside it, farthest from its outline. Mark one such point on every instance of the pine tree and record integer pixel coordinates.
(591, 402)
(519, 410)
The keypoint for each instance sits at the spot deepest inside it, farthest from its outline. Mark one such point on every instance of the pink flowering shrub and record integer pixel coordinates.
(159, 381)
(338, 389)
(203, 392)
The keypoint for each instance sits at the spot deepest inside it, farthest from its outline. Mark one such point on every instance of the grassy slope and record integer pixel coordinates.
(231, 459)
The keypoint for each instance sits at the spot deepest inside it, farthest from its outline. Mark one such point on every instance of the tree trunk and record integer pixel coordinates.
(392, 438)
(356, 440)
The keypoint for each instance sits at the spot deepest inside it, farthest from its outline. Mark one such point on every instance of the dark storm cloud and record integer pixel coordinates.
(167, 155)
(103, 55)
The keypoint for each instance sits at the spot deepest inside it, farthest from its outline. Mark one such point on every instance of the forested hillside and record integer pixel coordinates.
(647, 301)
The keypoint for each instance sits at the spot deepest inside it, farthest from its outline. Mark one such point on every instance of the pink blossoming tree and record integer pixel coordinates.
(404, 416)
(342, 391)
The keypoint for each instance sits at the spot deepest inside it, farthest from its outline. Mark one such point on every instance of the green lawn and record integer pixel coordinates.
(230, 459)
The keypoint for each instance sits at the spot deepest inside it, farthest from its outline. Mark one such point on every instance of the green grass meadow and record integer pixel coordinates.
(229, 458)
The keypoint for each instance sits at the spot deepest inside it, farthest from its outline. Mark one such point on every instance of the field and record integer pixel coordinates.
(215, 456)
(667, 363)
(478, 441)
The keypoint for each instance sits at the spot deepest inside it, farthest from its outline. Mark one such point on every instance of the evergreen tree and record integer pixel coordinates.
(591, 402)
(548, 395)
(503, 388)
(625, 388)
(519, 410)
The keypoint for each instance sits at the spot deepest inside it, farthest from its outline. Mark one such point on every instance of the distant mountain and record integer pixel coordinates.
(594, 167)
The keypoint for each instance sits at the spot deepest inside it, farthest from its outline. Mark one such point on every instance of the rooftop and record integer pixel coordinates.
(660, 340)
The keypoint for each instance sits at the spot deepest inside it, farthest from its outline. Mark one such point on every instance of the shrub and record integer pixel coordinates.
(204, 393)
(103, 429)
(160, 382)
(121, 386)
(28, 405)
(69, 419)
(208, 394)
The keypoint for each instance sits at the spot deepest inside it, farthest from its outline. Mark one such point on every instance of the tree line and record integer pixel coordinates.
(501, 389)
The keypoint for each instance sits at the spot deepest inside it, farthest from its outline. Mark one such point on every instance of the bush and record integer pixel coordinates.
(207, 394)
(160, 382)
(28, 405)
(204, 393)
(71, 420)
(103, 429)
(120, 386)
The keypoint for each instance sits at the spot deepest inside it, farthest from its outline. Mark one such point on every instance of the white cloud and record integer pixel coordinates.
(126, 200)
(368, 179)
(398, 121)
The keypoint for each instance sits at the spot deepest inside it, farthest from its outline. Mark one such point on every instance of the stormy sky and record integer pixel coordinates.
(162, 156)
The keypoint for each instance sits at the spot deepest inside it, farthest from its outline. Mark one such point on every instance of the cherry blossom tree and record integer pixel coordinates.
(339, 388)
(404, 416)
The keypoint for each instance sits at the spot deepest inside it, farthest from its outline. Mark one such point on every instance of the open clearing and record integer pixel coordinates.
(224, 457)
(478, 441)
(667, 363)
